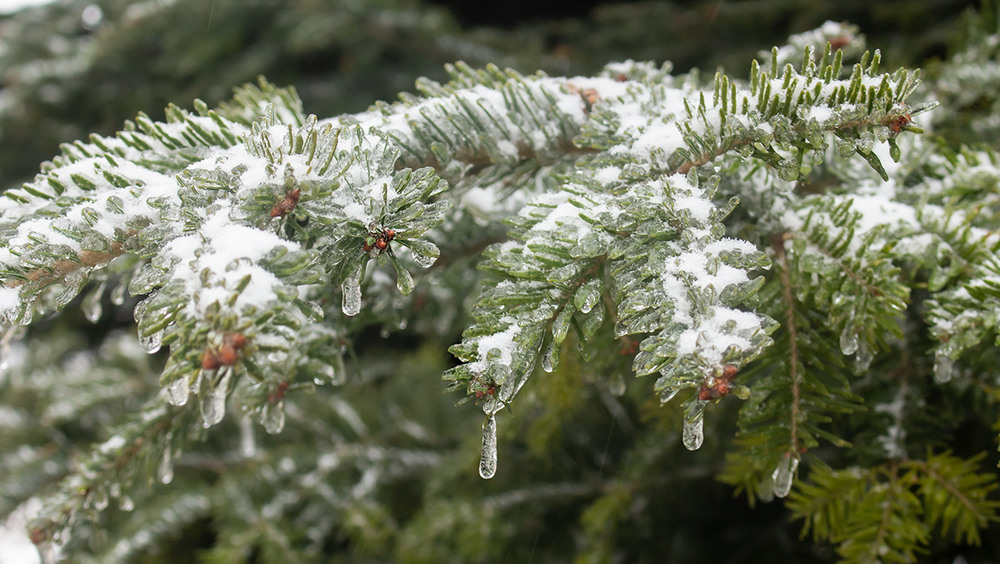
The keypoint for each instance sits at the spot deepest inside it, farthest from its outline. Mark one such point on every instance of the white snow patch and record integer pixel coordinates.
(12, 6)
(502, 341)
(15, 545)
(607, 175)
(10, 300)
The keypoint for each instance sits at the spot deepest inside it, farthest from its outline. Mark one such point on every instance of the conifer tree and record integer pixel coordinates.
(629, 281)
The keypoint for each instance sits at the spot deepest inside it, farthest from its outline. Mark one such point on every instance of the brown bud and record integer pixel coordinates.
(227, 355)
(235, 340)
(209, 361)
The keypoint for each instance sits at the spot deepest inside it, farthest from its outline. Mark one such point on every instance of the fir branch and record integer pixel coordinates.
(639, 207)
(793, 340)
(909, 497)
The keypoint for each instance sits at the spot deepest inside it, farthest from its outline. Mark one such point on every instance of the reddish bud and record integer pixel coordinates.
(227, 355)
(38, 535)
(235, 340)
(287, 204)
(704, 393)
(899, 123)
(209, 361)
(278, 393)
(839, 42)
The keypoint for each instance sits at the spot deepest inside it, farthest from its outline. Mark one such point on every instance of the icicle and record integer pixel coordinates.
(404, 280)
(784, 474)
(848, 341)
(488, 462)
(91, 305)
(335, 374)
(248, 438)
(213, 399)
(864, 357)
(99, 499)
(424, 260)
(352, 294)
(166, 468)
(616, 384)
(151, 343)
(73, 282)
(5, 338)
(272, 416)
(588, 296)
(668, 394)
(551, 358)
(47, 553)
(944, 367)
(694, 424)
(178, 391)
(621, 328)
(118, 294)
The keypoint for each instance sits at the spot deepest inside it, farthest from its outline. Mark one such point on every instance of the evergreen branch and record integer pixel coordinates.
(101, 200)
(910, 498)
(878, 502)
(243, 226)
(482, 118)
(112, 470)
(793, 340)
(154, 521)
(965, 508)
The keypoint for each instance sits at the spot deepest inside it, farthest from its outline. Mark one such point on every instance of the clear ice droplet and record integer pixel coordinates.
(944, 367)
(100, 500)
(166, 468)
(213, 400)
(551, 358)
(352, 295)
(784, 474)
(272, 416)
(404, 281)
(91, 305)
(5, 352)
(334, 373)
(694, 433)
(668, 394)
(248, 438)
(848, 341)
(151, 343)
(424, 261)
(118, 294)
(864, 357)
(47, 553)
(694, 424)
(488, 462)
(126, 503)
(178, 391)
